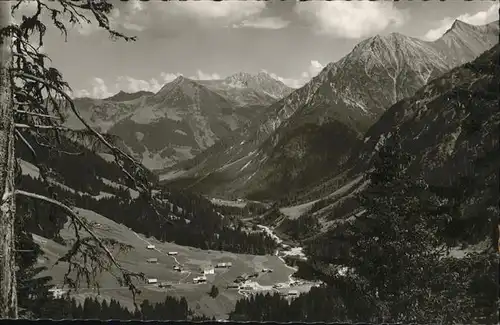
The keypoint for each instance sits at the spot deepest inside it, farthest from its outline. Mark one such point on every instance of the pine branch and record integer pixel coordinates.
(78, 221)
(33, 113)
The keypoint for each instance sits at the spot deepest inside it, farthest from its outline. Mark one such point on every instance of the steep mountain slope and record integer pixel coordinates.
(451, 128)
(91, 181)
(184, 117)
(335, 107)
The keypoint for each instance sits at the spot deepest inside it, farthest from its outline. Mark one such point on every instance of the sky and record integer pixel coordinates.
(292, 41)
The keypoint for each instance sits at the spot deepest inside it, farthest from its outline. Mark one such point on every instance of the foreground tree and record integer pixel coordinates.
(399, 261)
(394, 248)
(33, 101)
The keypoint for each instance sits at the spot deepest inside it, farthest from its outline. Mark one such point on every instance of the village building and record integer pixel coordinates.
(57, 293)
(224, 265)
(200, 279)
(152, 260)
(209, 269)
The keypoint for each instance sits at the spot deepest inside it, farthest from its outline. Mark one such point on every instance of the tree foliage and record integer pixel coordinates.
(35, 101)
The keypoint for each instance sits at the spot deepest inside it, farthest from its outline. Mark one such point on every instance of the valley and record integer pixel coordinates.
(308, 162)
(192, 262)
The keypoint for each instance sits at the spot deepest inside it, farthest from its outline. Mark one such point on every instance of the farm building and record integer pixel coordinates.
(152, 280)
(177, 268)
(224, 265)
(151, 247)
(207, 270)
(233, 286)
(165, 285)
(56, 292)
(172, 253)
(293, 293)
(152, 260)
(200, 279)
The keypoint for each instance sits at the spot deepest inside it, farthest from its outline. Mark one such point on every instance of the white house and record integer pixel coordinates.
(152, 280)
(56, 292)
(293, 293)
(208, 270)
(152, 260)
(151, 246)
(200, 279)
(172, 253)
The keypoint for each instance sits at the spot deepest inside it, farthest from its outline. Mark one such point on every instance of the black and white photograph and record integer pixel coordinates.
(264, 161)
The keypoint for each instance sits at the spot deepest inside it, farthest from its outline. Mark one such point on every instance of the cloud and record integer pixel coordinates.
(350, 19)
(200, 75)
(479, 18)
(228, 10)
(159, 16)
(98, 89)
(263, 23)
(313, 69)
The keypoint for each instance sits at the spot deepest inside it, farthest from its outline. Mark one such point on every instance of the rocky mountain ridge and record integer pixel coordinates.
(450, 128)
(183, 118)
(350, 94)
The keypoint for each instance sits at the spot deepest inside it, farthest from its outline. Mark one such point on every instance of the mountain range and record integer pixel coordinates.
(184, 117)
(450, 128)
(307, 152)
(311, 133)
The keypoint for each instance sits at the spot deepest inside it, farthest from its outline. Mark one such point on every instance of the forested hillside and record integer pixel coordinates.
(89, 181)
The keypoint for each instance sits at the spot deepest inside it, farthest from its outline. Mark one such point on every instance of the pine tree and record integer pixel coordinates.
(214, 292)
(394, 248)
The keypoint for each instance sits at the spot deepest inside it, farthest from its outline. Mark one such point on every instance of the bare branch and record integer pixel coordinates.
(41, 127)
(33, 113)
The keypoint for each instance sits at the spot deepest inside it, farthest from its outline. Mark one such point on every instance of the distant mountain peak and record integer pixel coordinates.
(459, 27)
(459, 24)
(122, 96)
(390, 39)
(260, 81)
(179, 79)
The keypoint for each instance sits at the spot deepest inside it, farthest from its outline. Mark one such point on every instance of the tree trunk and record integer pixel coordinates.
(8, 292)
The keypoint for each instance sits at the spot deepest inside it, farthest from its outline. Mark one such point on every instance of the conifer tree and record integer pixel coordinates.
(394, 248)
